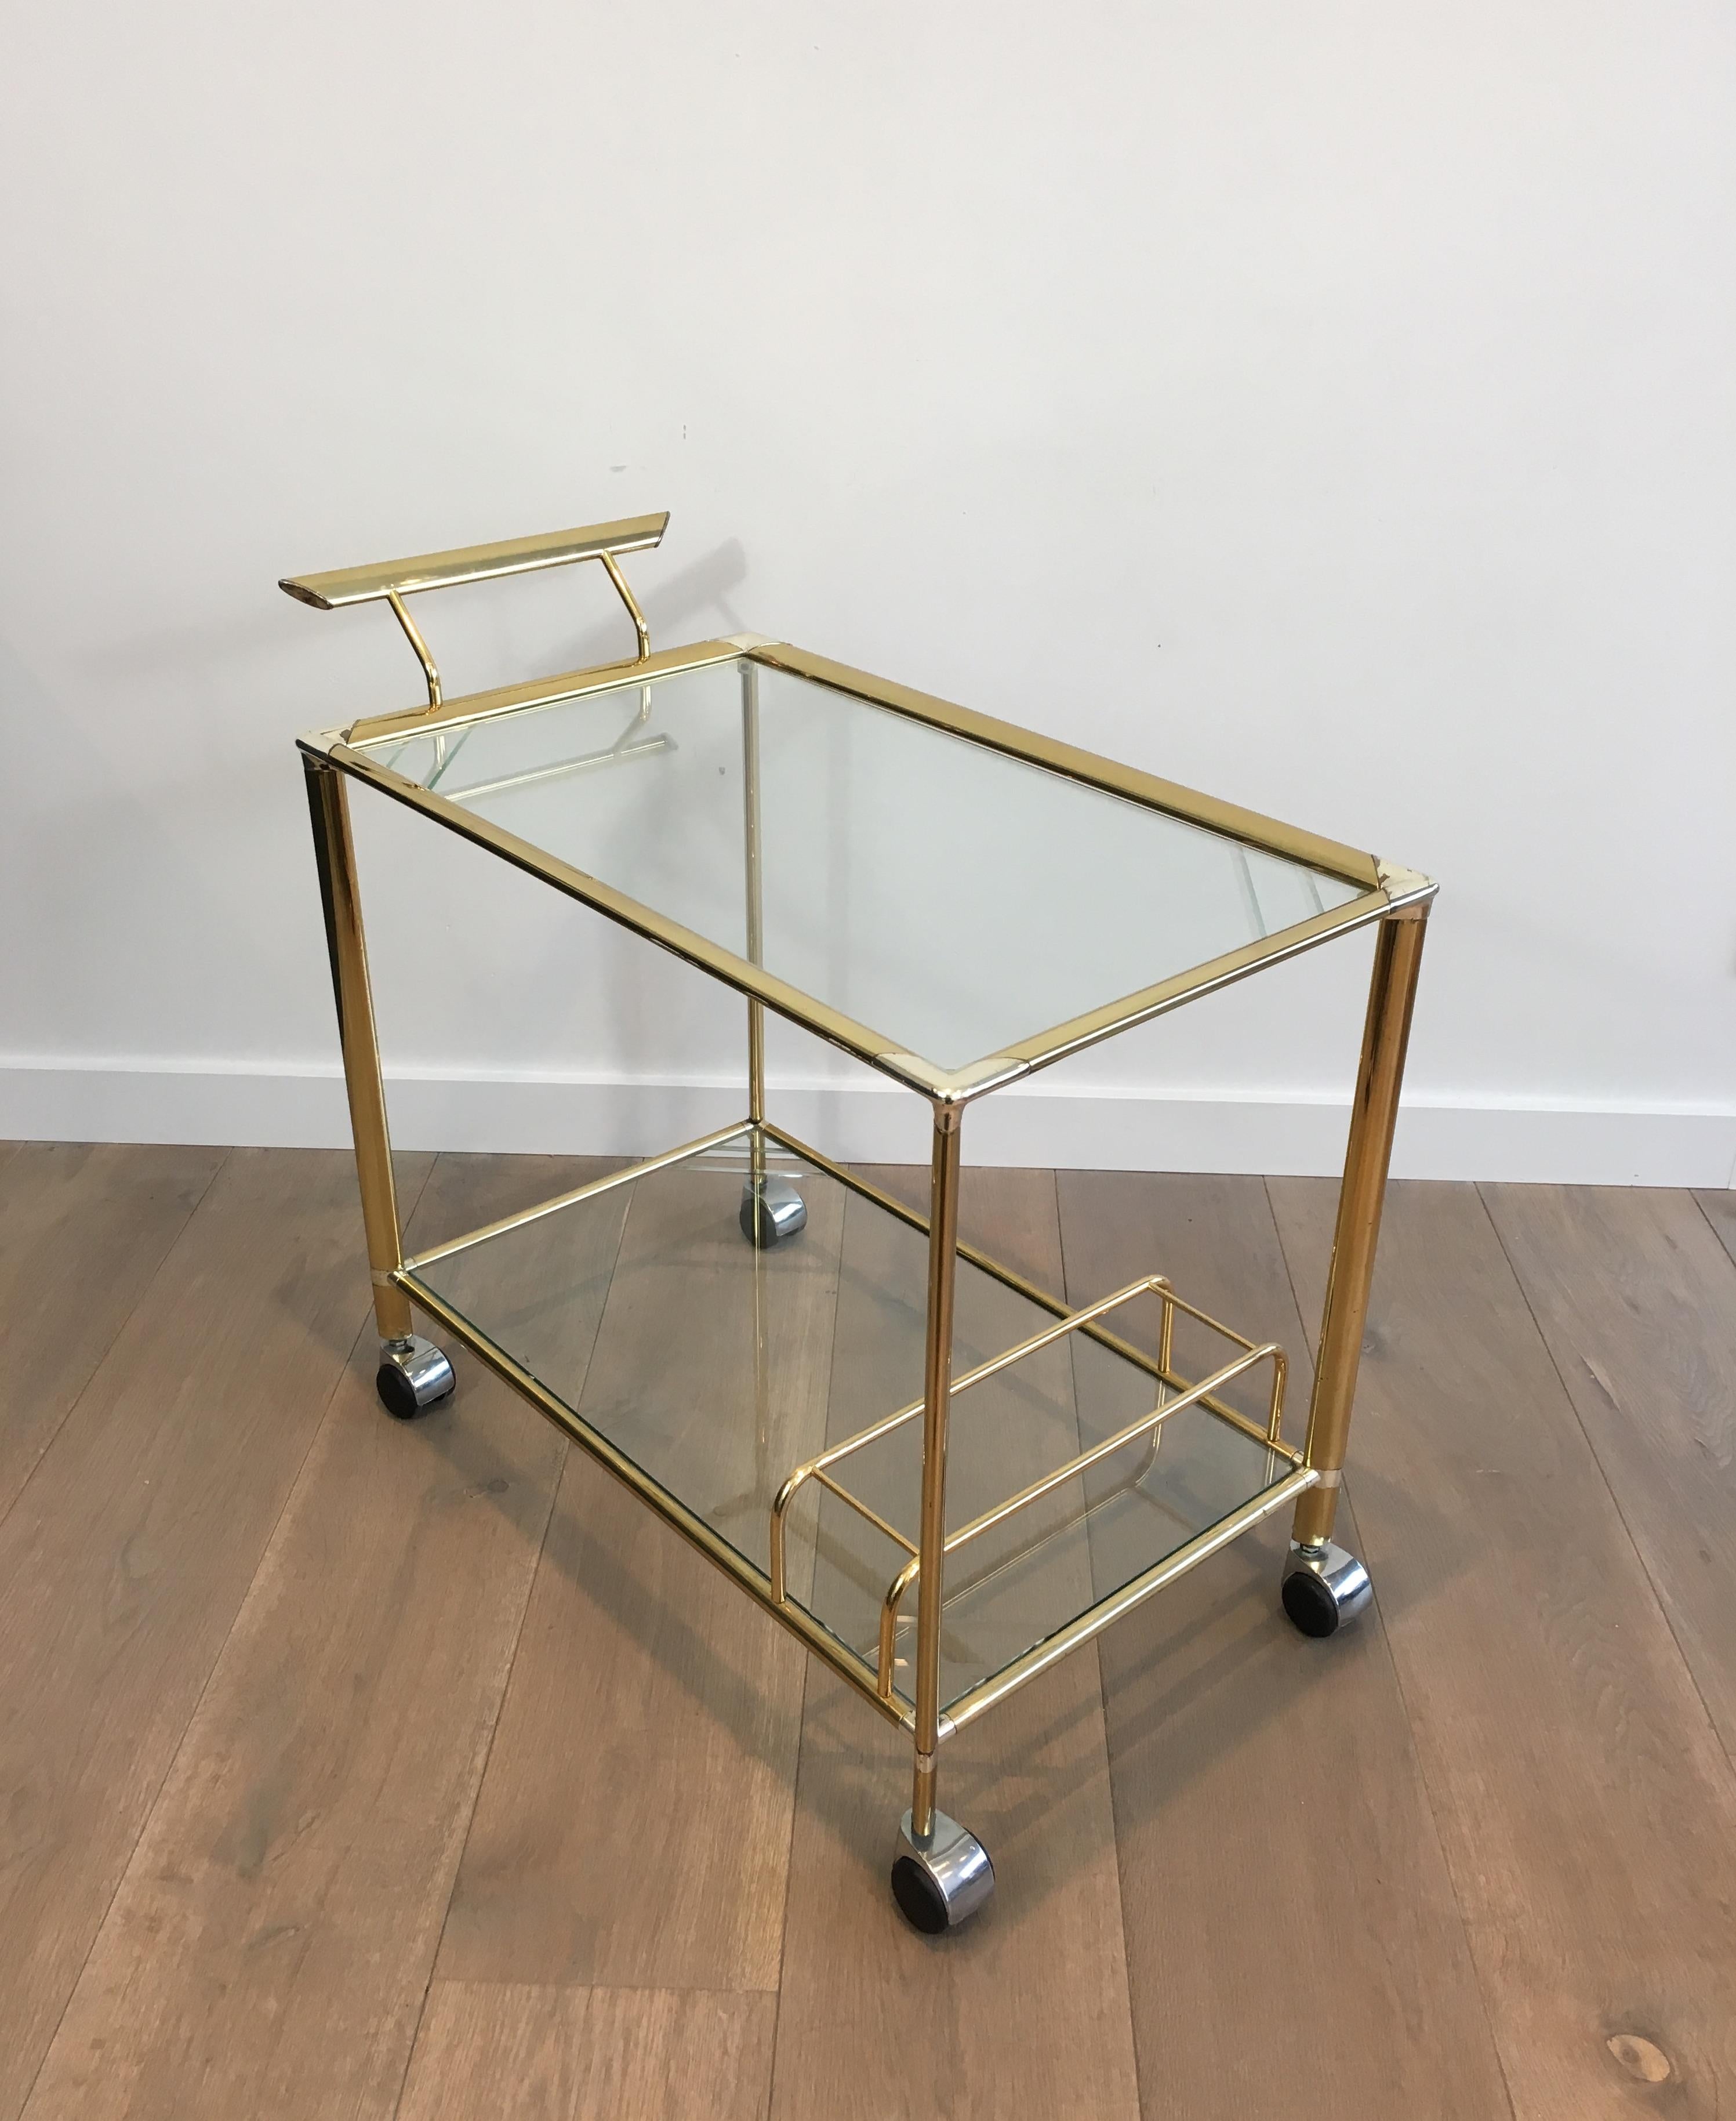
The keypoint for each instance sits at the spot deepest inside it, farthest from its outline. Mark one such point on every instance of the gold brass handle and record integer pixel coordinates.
(392, 580)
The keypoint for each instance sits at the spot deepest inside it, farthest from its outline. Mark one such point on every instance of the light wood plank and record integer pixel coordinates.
(1719, 1208)
(125, 1559)
(270, 1945)
(83, 1228)
(1290, 1920)
(633, 1825)
(559, 2053)
(1637, 1302)
(1584, 1805)
(1025, 2010)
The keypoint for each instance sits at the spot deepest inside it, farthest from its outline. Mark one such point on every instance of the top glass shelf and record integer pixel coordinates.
(924, 887)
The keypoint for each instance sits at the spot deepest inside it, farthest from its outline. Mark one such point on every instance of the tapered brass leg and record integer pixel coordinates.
(1392, 993)
(335, 852)
(937, 1387)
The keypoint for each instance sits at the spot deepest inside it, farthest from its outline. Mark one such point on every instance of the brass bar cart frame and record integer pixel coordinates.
(949, 1873)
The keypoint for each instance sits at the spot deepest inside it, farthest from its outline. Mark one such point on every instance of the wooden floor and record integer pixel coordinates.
(356, 1769)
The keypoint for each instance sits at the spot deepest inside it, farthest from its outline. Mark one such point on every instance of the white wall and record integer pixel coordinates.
(1330, 406)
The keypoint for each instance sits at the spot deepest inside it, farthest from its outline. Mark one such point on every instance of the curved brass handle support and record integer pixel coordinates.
(418, 644)
(889, 1606)
(628, 599)
(785, 1496)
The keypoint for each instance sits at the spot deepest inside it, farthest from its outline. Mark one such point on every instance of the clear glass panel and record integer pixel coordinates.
(717, 1368)
(952, 899)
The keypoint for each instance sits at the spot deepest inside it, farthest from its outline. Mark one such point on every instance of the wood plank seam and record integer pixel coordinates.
(494, 1728)
(443, 1981)
(949, 2028)
(795, 1786)
(1430, 1801)
(120, 1327)
(789, 1863)
(1699, 1201)
(1115, 1821)
(173, 1755)
(546, 1910)
(1622, 1785)
(1662, 1603)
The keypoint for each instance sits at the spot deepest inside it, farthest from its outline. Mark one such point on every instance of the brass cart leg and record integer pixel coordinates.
(413, 1373)
(771, 1208)
(1323, 1585)
(755, 895)
(941, 1874)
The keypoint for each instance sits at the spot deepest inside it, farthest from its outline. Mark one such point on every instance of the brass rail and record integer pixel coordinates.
(616, 755)
(815, 1468)
(623, 1177)
(392, 580)
(530, 696)
(973, 1703)
(1157, 1367)
(910, 1572)
(474, 563)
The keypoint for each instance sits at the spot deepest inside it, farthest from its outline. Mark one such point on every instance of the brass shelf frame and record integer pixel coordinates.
(1395, 900)
(770, 1587)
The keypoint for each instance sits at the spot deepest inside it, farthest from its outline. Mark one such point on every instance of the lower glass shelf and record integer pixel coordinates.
(717, 1367)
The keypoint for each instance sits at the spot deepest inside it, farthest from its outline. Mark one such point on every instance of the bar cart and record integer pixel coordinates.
(851, 853)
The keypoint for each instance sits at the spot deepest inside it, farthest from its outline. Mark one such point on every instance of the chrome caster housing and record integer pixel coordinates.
(1323, 1587)
(413, 1375)
(771, 1210)
(942, 1885)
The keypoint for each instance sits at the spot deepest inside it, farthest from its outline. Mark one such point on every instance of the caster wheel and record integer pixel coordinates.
(1324, 1587)
(413, 1375)
(941, 1886)
(771, 1211)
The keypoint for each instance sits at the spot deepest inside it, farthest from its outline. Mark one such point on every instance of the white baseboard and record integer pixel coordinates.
(1079, 1127)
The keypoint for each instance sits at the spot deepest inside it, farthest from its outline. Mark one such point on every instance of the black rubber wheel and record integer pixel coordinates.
(773, 1216)
(919, 1897)
(1310, 1606)
(397, 1394)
